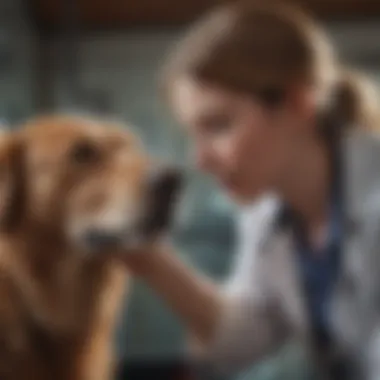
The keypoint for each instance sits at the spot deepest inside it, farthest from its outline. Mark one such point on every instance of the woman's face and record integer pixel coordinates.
(247, 147)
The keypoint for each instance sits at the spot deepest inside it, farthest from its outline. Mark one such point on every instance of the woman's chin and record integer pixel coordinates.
(243, 197)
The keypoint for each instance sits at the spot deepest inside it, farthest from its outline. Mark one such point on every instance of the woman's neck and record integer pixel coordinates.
(307, 185)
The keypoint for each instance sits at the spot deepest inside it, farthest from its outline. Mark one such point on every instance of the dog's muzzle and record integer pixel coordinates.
(161, 192)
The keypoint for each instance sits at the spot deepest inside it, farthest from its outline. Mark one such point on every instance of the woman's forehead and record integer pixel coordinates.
(192, 99)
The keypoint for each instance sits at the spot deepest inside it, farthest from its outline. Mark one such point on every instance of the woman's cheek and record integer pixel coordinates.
(233, 152)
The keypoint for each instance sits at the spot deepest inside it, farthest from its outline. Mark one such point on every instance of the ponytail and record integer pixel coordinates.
(353, 105)
(355, 101)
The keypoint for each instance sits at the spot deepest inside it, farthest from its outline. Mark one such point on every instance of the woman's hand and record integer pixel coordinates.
(195, 299)
(139, 259)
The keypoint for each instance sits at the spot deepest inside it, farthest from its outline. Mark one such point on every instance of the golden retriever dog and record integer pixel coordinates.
(74, 193)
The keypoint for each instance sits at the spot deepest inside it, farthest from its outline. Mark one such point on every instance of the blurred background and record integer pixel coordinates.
(102, 56)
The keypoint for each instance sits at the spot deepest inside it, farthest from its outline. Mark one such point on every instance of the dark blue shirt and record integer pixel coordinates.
(319, 269)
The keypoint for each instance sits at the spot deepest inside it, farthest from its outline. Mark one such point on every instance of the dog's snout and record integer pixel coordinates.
(98, 239)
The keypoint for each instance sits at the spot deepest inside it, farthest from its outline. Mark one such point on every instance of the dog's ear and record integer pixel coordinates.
(11, 181)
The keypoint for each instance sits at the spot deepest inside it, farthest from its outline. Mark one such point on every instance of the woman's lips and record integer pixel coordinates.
(228, 182)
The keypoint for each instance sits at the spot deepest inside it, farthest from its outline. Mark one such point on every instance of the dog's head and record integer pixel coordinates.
(87, 182)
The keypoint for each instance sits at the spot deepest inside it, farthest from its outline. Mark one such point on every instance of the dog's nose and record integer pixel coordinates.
(164, 186)
(98, 239)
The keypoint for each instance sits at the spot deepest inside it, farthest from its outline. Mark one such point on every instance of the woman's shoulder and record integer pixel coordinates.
(362, 144)
(361, 166)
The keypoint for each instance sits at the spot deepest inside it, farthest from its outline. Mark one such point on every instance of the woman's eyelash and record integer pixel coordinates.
(217, 122)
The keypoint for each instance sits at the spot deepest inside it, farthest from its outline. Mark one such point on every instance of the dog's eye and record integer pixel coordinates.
(83, 153)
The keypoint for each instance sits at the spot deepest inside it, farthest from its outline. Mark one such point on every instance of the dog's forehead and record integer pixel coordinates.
(57, 134)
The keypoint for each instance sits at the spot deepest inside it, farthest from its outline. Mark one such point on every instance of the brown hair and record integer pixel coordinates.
(261, 50)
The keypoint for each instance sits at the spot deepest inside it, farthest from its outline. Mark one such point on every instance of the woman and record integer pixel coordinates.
(286, 133)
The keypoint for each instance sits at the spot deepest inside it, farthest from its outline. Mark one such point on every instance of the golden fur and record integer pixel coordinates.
(58, 302)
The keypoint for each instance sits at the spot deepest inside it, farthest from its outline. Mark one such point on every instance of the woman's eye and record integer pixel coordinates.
(217, 124)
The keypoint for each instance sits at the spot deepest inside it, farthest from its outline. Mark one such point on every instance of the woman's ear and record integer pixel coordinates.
(11, 181)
